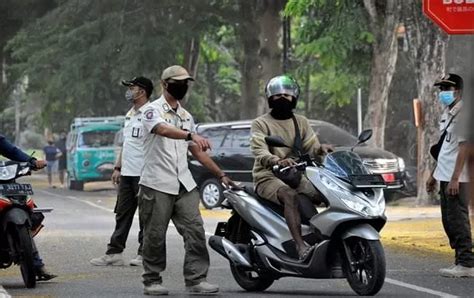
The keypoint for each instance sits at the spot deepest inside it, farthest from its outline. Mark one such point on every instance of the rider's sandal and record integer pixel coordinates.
(306, 253)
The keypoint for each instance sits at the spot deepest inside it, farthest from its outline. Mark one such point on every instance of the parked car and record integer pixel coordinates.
(231, 151)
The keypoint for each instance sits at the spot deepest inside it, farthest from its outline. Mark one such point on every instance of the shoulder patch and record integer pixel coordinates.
(149, 114)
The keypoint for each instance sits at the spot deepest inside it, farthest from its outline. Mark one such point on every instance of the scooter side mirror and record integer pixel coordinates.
(275, 141)
(365, 136)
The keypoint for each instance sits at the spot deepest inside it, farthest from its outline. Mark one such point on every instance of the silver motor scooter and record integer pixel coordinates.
(258, 244)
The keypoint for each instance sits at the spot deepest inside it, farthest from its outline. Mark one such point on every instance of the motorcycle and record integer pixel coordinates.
(20, 221)
(345, 235)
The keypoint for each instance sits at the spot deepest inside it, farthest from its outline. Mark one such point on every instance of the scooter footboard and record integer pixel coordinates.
(281, 265)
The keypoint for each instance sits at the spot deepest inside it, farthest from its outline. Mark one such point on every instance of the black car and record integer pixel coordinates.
(231, 152)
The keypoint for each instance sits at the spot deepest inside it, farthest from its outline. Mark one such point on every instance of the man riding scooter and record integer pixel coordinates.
(282, 93)
(14, 153)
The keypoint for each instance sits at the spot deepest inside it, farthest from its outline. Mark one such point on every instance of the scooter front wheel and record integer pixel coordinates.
(24, 248)
(366, 272)
(250, 280)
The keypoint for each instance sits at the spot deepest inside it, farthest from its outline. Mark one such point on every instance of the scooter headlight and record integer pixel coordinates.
(8, 172)
(355, 202)
(361, 206)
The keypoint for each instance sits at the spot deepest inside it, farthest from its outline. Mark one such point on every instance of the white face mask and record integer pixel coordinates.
(129, 95)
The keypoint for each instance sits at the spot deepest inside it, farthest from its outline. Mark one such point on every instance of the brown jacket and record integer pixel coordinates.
(266, 157)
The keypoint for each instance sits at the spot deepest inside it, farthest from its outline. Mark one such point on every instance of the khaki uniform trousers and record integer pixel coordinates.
(156, 209)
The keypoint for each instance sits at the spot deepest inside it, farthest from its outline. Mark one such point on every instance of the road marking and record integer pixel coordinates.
(388, 280)
(4, 293)
(97, 206)
(418, 288)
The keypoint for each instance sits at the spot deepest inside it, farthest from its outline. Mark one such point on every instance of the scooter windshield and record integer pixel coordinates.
(344, 164)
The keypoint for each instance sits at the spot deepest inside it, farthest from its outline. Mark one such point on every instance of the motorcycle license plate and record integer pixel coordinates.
(16, 189)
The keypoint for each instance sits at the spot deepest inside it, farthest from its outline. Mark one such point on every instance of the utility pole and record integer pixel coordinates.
(16, 98)
(359, 111)
(286, 44)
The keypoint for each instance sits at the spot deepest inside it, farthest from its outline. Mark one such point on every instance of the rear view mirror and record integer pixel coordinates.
(365, 136)
(275, 141)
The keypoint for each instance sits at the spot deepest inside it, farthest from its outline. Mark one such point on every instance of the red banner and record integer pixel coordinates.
(453, 16)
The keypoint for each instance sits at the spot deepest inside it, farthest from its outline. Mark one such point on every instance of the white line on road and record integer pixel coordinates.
(4, 293)
(418, 288)
(388, 280)
(95, 205)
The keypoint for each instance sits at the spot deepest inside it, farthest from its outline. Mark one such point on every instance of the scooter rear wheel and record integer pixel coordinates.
(250, 280)
(368, 258)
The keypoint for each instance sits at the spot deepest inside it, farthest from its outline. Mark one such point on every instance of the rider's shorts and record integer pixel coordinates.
(268, 189)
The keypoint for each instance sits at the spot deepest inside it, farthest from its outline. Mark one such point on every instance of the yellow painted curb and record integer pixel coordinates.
(422, 235)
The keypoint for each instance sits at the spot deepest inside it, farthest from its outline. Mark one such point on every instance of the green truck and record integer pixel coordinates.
(90, 150)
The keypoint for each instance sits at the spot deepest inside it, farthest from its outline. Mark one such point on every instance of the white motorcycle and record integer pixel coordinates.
(258, 244)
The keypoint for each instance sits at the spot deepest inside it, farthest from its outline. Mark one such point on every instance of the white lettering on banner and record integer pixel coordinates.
(458, 2)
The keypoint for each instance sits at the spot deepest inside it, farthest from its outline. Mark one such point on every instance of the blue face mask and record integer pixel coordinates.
(446, 97)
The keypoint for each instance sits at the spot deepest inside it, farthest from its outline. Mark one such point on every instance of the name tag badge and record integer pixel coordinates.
(135, 132)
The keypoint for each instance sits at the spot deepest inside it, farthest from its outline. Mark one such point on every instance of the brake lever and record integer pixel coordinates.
(299, 166)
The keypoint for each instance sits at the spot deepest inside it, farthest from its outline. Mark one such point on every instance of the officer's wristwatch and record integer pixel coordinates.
(189, 137)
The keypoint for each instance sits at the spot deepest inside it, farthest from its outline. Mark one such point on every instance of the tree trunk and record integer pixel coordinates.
(210, 72)
(191, 56)
(306, 93)
(427, 46)
(270, 31)
(384, 20)
(250, 67)
(191, 59)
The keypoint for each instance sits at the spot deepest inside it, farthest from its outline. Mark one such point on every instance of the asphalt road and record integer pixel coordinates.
(80, 226)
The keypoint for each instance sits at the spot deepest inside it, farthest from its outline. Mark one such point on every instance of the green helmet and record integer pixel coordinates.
(283, 84)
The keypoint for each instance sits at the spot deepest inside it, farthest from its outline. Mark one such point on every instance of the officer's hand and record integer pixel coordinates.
(116, 177)
(229, 183)
(430, 184)
(39, 164)
(286, 162)
(202, 142)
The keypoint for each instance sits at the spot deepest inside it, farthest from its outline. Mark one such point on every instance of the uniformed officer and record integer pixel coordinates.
(168, 191)
(451, 172)
(127, 171)
(127, 174)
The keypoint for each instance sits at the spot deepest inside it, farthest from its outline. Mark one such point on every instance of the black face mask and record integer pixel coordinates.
(178, 91)
(282, 108)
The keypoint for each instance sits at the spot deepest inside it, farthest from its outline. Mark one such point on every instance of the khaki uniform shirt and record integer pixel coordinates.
(132, 149)
(266, 157)
(166, 160)
(456, 133)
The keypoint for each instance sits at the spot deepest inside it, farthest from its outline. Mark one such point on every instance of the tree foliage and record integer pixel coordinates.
(332, 42)
(78, 53)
